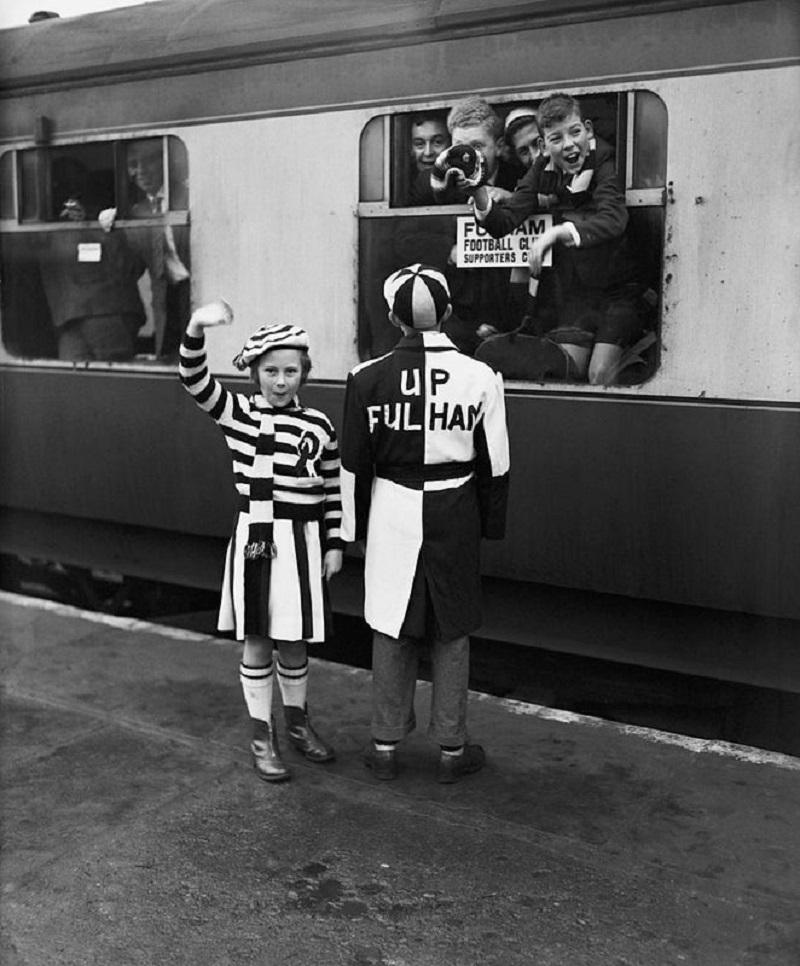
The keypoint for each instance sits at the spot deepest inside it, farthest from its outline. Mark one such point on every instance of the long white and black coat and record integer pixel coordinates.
(425, 466)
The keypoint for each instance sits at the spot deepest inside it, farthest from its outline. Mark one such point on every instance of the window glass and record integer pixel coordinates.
(32, 184)
(650, 141)
(592, 312)
(72, 183)
(95, 257)
(371, 161)
(7, 185)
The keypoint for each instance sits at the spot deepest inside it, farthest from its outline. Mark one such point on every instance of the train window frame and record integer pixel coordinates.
(168, 213)
(642, 176)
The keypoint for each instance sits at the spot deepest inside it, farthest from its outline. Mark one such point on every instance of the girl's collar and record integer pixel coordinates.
(263, 406)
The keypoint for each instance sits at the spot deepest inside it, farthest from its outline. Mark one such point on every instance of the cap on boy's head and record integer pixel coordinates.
(276, 336)
(523, 113)
(417, 296)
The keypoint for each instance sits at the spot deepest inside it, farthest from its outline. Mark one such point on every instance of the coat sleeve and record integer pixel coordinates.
(492, 461)
(504, 216)
(210, 395)
(331, 471)
(358, 468)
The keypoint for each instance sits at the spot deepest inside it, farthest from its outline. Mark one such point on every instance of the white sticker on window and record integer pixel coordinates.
(477, 248)
(90, 251)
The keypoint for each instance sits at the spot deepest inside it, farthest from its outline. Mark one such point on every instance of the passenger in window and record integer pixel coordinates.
(524, 144)
(90, 282)
(77, 194)
(474, 121)
(145, 164)
(89, 278)
(164, 250)
(429, 137)
(69, 190)
(480, 297)
(522, 136)
(586, 309)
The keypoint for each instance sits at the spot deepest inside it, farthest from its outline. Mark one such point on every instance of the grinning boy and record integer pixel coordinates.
(587, 302)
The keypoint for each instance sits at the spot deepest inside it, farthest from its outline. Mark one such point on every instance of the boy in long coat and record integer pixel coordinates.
(425, 466)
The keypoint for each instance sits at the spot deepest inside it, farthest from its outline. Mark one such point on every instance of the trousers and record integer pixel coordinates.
(395, 663)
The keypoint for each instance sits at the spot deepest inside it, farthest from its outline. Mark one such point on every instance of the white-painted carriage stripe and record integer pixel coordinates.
(724, 749)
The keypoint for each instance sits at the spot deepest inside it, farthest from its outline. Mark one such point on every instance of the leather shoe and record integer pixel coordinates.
(382, 764)
(452, 768)
(266, 754)
(303, 737)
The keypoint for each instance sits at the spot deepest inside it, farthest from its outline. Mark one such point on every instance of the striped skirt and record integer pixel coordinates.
(297, 595)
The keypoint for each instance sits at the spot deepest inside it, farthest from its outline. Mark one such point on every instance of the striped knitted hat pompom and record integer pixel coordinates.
(418, 296)
(280, 335)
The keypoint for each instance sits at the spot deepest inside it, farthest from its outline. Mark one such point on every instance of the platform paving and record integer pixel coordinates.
(135, 832)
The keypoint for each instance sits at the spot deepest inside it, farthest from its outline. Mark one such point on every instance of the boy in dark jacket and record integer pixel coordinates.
(586, 304)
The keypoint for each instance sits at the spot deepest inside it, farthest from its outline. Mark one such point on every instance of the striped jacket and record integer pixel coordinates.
(306, 460)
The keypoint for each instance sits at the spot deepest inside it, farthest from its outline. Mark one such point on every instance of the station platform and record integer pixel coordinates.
(135, 831)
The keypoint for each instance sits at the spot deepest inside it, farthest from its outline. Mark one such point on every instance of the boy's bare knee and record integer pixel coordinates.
(292, 653)
(579, 356)
(603, 363)
(257, 651)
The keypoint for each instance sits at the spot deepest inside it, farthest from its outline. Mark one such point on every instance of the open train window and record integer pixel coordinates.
(94, 250)
(593, 302)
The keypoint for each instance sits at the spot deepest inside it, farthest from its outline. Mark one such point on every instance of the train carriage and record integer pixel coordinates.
(653, 520)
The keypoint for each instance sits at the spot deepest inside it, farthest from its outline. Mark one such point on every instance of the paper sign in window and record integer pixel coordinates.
(477, 249)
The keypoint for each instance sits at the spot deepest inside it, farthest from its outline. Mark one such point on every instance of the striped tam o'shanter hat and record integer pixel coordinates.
(418, 296)
(279, 335)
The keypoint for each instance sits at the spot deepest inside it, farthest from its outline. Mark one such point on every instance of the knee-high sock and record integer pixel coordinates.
(293, 682)
(257, 689)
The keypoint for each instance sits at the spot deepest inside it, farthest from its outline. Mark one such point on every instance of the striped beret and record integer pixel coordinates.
(418, 296)
(277, 336)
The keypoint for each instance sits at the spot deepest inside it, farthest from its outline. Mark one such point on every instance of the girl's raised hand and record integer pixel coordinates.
(213, 313)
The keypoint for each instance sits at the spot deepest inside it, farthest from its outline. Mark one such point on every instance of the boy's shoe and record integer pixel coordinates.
(266, 754)
(452, 768)
(303, 737)
(382, 764)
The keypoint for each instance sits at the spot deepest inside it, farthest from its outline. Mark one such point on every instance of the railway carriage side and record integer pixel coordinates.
(286, 193)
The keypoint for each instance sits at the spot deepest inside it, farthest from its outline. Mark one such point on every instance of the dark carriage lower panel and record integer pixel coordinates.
(641, 530)
(672, 500)
(741, 648)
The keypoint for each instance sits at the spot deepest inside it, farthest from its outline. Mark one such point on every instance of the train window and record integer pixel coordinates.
(94, 250)
(62, 183)
(594, 316)
(7, 185)
(372, 160)
(649, 142)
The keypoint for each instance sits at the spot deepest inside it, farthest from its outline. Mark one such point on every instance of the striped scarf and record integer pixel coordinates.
(260, 547)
